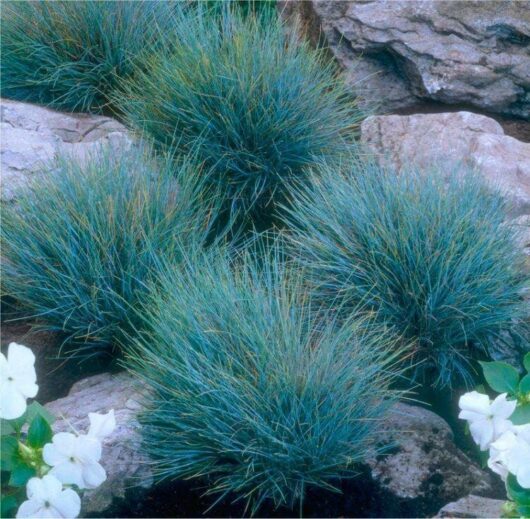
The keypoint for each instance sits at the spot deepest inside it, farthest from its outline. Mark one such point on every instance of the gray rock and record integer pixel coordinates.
(424, 465)
(33, 135)
(401, 52)
(450, 139)
(122, 459)
(473, 506)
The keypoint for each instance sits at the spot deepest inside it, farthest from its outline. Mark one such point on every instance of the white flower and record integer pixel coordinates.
(511, 454)
(46, 498)
(74, 460)
(487, 420)
(17, 380)
(101, 425)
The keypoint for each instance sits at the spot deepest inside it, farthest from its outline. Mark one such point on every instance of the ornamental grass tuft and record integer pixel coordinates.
(79, 247)
(258, 105)
(70, 55)
(249, 390)
(430, 252)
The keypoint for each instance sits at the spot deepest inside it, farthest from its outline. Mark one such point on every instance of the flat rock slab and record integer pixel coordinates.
(126, 467)
(33, 135)
(397, 53)
(473, 507)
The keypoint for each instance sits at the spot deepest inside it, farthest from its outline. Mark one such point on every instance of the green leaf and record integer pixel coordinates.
(526, 362)
(6, 427)
(20, 475)
(9, 452)
(521, 415)
(7, 504)
(15, 425)
(524, 385)
(39, 432)
(501, 377)
(516, 492)
(35, 409)
(523, 511)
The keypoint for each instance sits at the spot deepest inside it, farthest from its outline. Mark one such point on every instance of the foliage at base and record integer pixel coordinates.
(249, 388)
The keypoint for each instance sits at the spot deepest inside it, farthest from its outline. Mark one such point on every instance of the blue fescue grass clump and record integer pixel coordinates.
(257, 104)
(249, 389)
(432, 255)
(70, 54)
(80, 246)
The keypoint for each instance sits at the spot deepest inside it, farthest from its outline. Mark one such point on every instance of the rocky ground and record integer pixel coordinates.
(427, 67)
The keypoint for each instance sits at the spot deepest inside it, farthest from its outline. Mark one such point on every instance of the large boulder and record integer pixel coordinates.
(33, 135)
(122, 458)
(423, 467)
(451, 139)
(400, 52)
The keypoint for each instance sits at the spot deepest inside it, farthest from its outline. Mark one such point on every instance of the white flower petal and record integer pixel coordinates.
(482, 433)
(500, 426)
(69, 474)
(51, 486)
(67, 504)
(523, 432)
(26, 388)
(474, 402)
(12, 403)
(47, 499)
(94, 474)
(505, 442)
(87, 449)
(35, 489)
(499, 468)
(65, 443)
(19, 356)
(523, 475)
(29, 509)
(518, 457)
(502, 408)
(52, 456)
(471, 416)
(101, 425)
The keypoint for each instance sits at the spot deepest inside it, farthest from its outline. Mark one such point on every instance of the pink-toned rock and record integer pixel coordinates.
(473, 507)
(450, 139)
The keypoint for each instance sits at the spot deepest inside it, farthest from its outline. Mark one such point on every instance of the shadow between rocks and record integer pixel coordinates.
(359, 497)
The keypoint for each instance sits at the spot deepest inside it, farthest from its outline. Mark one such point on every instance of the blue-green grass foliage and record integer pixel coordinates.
(79, 246)
(249, 389)
(258, 104)
(430, 252)
(70, 54)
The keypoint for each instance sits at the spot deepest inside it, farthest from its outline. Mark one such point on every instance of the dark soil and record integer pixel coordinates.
(55, 376)
(359, 497)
